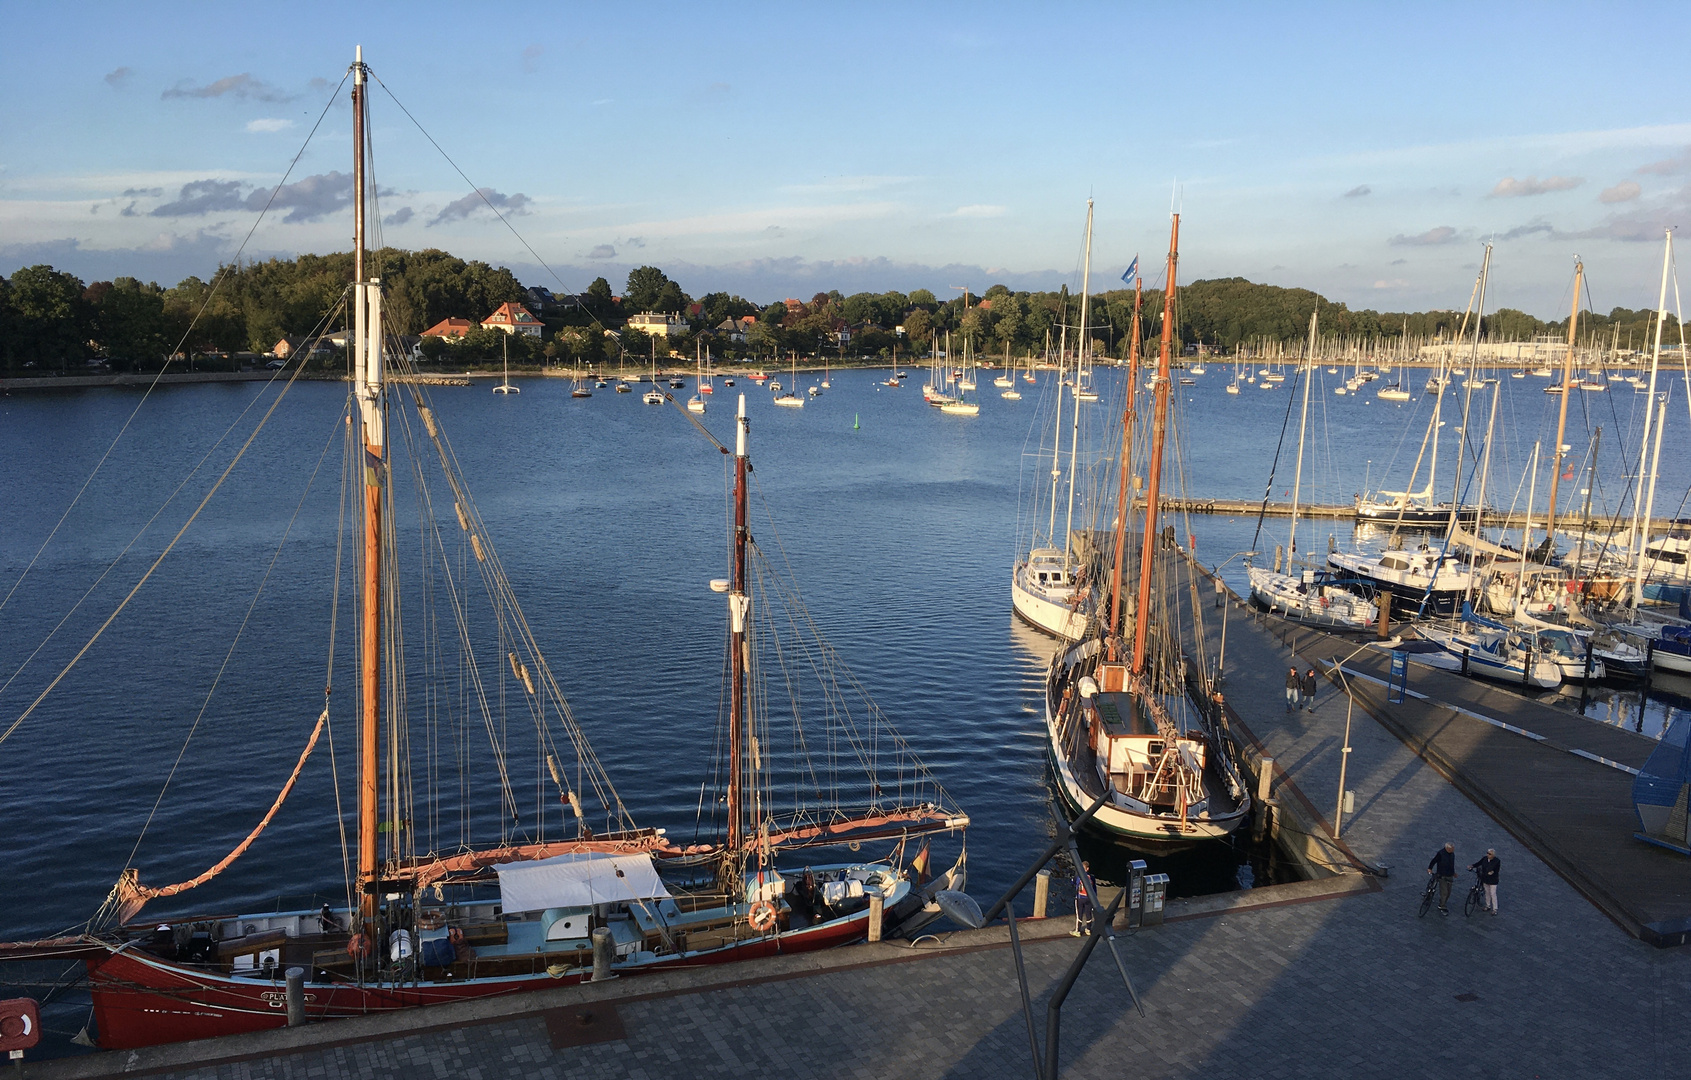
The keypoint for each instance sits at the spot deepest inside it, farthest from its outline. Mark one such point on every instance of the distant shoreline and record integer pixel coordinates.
(144, 379)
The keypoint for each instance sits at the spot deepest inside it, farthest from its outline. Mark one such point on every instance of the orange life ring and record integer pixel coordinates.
(762, 916)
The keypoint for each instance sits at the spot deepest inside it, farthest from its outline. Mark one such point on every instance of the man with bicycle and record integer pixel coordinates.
(1443, 867)
(1487, 868)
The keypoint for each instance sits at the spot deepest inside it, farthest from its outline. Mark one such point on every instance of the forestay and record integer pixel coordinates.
(578, 880)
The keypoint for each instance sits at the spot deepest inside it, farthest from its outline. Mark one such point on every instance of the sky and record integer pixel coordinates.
(1366, 151)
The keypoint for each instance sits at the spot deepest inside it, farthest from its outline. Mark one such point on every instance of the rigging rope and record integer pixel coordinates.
(129, 893)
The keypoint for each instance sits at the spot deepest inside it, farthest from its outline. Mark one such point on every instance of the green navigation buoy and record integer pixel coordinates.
(854, 423)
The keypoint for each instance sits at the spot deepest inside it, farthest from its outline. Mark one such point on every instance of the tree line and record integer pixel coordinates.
(52, 320)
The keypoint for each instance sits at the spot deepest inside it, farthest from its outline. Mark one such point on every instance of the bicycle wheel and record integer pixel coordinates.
(1476, 899)
(1426, 902)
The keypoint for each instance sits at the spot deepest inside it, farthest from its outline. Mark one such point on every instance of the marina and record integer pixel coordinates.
(379, 700)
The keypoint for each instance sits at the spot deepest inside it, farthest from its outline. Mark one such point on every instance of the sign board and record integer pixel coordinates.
(1399, 682)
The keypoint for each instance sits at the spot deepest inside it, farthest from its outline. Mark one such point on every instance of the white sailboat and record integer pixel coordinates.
(1045, 590)
(505, 386)
(789, 399)
(1309, 596)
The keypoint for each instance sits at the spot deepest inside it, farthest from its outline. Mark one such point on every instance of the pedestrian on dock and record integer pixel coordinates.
(1443, 867)
(1310, 686)
(1084, 885)
(1488, 868)
(1294, 690)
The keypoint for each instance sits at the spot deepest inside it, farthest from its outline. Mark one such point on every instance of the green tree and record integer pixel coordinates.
(648, 287)
(50, 322)
(918, 329)
(599, 300)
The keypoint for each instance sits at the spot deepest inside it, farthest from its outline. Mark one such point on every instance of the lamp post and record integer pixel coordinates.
(1220, 591)
(1344, 751)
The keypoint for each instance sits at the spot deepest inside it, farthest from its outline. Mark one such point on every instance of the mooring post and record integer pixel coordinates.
(1265, 778)
(875, 906)
(296, 996)
(1041, 893)
(1385, 615)
(604, 953)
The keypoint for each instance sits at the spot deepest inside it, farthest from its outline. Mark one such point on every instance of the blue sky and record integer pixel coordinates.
(1361, 150)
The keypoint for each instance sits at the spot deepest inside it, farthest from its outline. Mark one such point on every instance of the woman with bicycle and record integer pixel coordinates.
(1487, 869)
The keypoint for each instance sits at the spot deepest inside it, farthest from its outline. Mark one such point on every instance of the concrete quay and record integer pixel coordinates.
(1334, 977)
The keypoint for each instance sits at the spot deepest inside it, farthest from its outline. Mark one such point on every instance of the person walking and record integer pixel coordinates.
(1488, 868)
(1294, 689)
(1443, 866)
(1083, 887)
(1310, 686)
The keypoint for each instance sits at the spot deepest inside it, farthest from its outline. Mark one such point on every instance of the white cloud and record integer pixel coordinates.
(978, 210)
(1509, 187)
(1443, 234)
(1625, 191)
(268, 124)
(1355, 193)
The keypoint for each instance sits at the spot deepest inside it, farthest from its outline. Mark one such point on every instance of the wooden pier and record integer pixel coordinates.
(1250, 508)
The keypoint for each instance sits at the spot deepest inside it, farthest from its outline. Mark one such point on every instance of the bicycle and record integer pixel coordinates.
(1427, 897)
(1476, 897)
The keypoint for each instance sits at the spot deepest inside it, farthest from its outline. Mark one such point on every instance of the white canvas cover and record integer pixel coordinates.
(578, 880)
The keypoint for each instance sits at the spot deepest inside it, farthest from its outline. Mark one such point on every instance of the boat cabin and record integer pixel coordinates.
(1140, 757)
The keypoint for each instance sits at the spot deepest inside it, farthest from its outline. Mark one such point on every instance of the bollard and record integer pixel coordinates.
(1041, 893)
(604, 952)
(1265, 778)
(1385, 615)
(296, 996)
(875, 904)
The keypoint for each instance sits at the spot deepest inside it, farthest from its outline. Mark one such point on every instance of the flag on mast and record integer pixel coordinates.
(1132, 271)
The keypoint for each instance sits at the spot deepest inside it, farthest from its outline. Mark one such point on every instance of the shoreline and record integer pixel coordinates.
(736, 370)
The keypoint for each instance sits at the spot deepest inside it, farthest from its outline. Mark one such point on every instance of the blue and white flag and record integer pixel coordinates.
(1132, 271)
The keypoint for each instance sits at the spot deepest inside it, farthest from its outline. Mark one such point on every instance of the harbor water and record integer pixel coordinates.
(900, 526)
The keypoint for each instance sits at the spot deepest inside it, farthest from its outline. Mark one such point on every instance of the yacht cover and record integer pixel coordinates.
(578, 880)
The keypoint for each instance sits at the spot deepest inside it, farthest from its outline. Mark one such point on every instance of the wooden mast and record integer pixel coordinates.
(739, 602)
(368, 387)
(1159, 428)
(1562, 417)
(1123, 500)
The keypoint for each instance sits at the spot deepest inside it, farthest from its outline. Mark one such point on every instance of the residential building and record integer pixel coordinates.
(449, 328)
(658, 323)
(736, 329)
(287, 346)
(513, 319)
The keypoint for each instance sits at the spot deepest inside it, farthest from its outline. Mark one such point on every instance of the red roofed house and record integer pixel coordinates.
(449, 328)
(513, 319)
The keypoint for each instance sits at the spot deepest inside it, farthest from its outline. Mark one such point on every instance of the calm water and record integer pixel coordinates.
(608, 515)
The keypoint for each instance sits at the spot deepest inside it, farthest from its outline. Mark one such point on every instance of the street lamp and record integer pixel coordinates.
(1344, 752)
(1221, 591)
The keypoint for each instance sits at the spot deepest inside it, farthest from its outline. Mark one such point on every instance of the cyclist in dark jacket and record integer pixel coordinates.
(1443, 866)
(1488, 868)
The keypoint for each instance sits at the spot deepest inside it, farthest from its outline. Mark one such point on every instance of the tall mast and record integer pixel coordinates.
(1468, 396)
(1562, 416)
(1303, 426)
(1123, 500)
(1638, 537)
(367, 325)
(1153, 485)
(1485, 471)
(739, 603)
(1057, 429)
(1079, 369)
(1649, 504)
